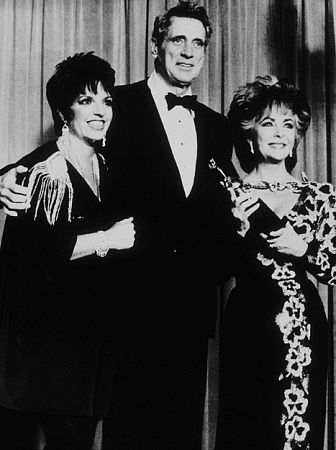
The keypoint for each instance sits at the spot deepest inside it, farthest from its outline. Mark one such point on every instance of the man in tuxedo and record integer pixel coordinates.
(161, 141)
(159, 168)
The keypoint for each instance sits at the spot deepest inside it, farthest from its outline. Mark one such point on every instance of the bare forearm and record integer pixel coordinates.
(120, 236)
(85, 246)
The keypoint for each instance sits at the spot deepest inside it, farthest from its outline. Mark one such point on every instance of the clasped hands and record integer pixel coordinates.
(285, 240)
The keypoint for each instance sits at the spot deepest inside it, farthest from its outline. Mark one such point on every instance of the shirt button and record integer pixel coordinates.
(174, 250)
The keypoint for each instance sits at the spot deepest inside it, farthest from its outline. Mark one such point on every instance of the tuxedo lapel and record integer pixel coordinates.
(201, 148)
(162, 152)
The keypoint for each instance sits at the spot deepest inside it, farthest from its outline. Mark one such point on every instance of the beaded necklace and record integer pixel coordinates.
(274, 186)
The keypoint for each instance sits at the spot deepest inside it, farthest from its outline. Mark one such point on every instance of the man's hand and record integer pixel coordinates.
(13, 196)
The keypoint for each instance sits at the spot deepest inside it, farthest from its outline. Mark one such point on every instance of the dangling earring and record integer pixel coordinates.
(251, 146)
(65, 134)
(291, 153)
(104, 141)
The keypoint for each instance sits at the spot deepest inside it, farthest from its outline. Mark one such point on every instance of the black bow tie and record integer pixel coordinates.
(187, 101)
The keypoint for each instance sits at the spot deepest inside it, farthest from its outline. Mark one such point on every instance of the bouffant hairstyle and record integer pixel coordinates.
(249, 104)
(185, 8)
(71, 78)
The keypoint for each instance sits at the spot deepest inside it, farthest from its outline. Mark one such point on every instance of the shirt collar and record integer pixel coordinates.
(160, 88)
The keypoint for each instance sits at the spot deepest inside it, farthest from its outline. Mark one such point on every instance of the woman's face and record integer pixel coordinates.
(91, 114)
(274, 134)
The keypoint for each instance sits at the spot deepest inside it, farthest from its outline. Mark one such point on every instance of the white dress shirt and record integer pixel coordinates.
(180, 129)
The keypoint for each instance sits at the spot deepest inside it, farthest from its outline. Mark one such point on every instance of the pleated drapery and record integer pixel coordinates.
(290, 38)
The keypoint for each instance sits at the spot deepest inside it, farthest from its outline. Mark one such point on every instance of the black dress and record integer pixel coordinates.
(274, 337)
(58, 326)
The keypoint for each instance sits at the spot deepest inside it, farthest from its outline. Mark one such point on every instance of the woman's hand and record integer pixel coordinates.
(286, 241)
(243, 206)
(121, 235)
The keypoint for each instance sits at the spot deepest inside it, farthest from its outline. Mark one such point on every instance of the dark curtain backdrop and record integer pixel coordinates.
(292, 38)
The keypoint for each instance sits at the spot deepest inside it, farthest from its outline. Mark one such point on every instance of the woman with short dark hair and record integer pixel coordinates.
(274, 331)
(58, 328)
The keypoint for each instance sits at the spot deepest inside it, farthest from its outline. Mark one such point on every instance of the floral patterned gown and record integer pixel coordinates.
(274, 336)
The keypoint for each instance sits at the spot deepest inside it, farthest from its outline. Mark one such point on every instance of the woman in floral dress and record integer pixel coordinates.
(274, 333)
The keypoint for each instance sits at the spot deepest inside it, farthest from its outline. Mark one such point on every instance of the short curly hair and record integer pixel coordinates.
(185, 8)
(71, 78)
(249, 104)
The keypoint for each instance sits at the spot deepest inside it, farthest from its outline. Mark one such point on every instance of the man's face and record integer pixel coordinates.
(181, 54)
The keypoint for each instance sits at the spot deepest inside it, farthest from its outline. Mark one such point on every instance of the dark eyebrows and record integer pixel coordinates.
(178, 36)
(266, 118)
(287, 119)
(182, 36)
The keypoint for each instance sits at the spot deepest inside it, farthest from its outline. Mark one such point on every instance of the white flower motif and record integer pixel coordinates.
(298, 358)
(295, 401)
(296, 430)
(284, 322)
(283, 272)
(323, 261)
(265, 261)
(297, 334)
(289, 287)
(333, 276)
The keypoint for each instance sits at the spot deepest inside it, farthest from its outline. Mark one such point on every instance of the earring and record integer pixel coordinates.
(251, 146)
(291, 153)
(104, 141)
(65, 134)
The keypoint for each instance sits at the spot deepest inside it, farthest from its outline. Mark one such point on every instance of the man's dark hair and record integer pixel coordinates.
(185, 8)
(71, 78)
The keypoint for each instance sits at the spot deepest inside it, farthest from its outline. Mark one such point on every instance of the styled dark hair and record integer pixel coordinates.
(185, 8)
(71, 78)
(250, 102)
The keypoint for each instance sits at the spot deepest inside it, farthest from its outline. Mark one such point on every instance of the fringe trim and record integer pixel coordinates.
(53, 177)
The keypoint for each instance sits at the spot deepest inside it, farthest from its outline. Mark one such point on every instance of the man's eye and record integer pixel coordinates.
(178, 40)
(199, 44)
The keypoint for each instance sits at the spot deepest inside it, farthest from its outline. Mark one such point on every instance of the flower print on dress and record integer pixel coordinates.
(296, 430)
(283, 272)
(297, 359)
(295, 401)
(295, 329)
(289, 286)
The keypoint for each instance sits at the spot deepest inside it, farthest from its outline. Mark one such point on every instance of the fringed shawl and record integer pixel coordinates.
(49, 180)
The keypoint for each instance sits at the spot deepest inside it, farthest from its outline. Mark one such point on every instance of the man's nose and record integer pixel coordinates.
(187, 50)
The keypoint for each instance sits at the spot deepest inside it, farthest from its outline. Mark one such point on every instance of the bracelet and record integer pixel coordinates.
(101, 246)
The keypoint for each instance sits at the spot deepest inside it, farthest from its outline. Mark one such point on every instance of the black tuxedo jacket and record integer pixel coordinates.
(179, 239)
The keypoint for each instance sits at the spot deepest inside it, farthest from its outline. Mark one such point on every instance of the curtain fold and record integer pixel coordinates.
(289, 38)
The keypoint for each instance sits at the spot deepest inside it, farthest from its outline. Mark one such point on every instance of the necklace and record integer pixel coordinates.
(274, 186)
(94, 180)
